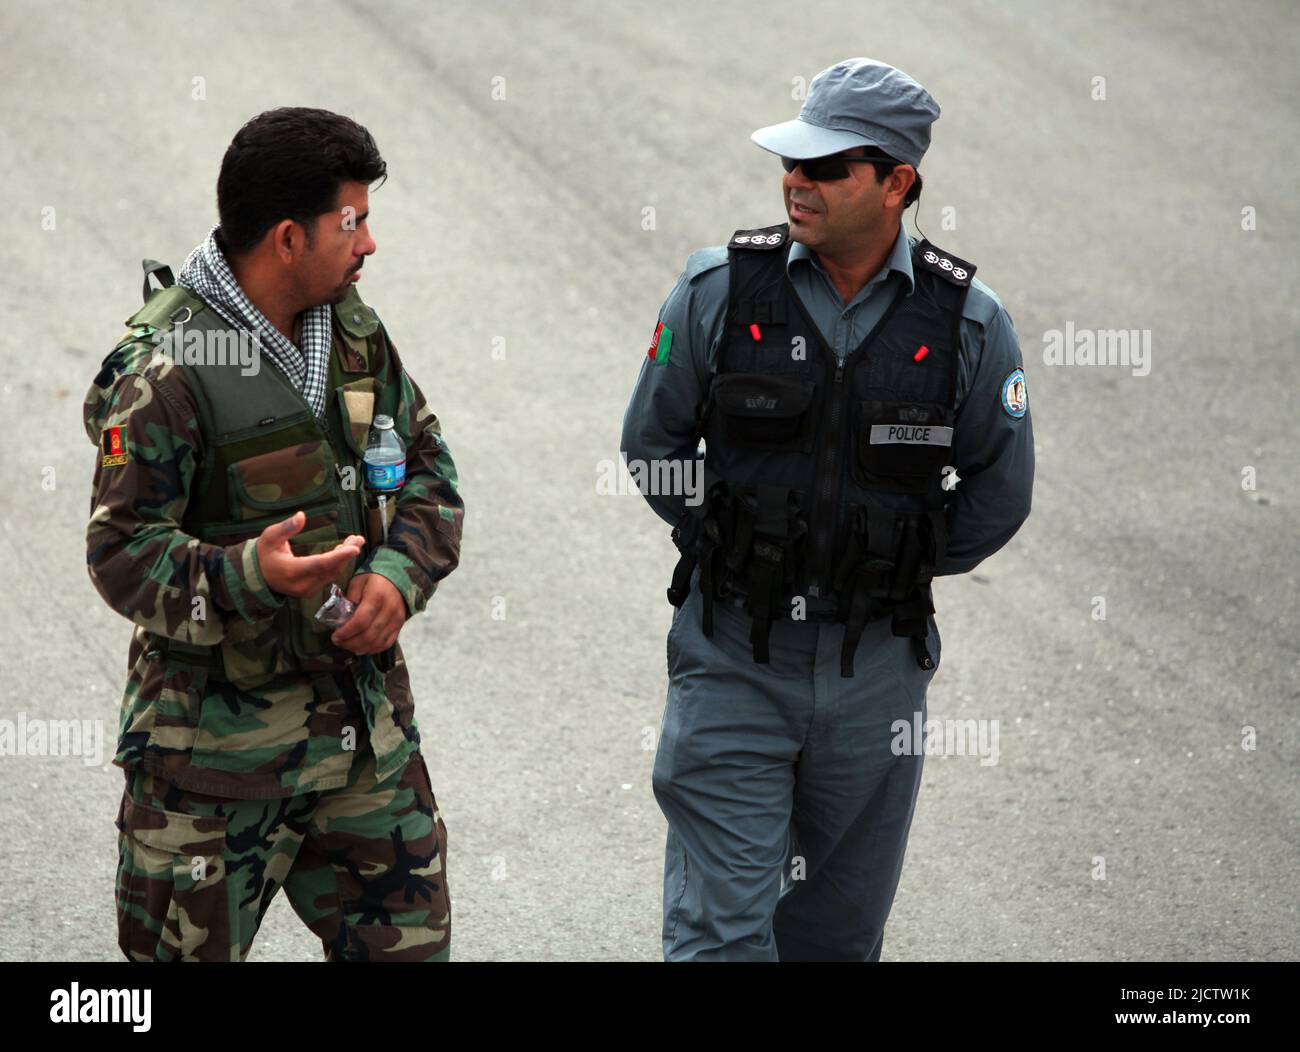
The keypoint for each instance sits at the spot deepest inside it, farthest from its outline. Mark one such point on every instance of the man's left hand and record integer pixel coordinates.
(378, 618)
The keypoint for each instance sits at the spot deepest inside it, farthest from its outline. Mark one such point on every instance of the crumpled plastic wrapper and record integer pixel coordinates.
(336, 609)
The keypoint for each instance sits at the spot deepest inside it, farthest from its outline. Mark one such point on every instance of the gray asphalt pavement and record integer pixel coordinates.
(518, 222)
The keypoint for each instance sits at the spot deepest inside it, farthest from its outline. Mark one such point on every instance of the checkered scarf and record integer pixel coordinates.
(207, 274)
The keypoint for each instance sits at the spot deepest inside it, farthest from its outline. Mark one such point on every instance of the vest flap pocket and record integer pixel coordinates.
(282, 480)
(357, 405)
(765, 412)
(903, 445)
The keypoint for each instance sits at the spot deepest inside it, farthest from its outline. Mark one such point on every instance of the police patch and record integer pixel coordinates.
(112, 441)
(1015, 399)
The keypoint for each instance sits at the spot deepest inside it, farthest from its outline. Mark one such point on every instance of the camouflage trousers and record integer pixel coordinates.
(364, 866)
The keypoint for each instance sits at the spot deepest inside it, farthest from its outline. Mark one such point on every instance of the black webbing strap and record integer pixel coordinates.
(910, 619)
(681, 585)
(861, 609)
(711, 545)
(912, 557)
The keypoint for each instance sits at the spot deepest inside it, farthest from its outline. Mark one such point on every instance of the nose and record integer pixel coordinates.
(796, 180)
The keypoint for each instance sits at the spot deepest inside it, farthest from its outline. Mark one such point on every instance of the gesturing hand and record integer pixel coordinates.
(378, 618)
(301, 575)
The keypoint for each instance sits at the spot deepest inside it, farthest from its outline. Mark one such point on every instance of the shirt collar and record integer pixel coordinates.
(899, 259)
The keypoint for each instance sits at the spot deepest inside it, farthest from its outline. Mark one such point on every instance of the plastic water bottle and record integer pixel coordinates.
(385, 459)
(385, 463)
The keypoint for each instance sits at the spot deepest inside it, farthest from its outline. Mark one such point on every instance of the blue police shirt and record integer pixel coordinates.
(993, 450)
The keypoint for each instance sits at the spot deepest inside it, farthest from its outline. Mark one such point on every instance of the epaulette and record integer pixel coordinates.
(946, 265)
(765, 237)
(356, 317)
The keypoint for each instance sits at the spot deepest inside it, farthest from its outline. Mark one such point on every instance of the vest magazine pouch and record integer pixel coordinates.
(902, 446)
(761, 538)
(357, 406)
(766, 412)
(274, 485)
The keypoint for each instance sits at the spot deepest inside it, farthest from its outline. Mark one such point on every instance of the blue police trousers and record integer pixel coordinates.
(787, 791)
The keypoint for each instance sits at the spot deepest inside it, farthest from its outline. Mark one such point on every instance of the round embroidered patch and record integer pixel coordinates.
(1015, 399)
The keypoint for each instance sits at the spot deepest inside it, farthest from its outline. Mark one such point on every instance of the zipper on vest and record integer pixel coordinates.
(826, 509)
(821, 555)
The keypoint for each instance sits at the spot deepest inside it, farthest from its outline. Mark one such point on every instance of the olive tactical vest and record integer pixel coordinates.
(267, 455)
(824, 496)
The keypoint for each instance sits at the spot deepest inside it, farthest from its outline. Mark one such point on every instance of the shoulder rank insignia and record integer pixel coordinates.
(936, 260)
(112, 441)
(764, 237)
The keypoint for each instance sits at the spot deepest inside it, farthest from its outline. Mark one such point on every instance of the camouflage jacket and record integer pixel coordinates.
(298, 732)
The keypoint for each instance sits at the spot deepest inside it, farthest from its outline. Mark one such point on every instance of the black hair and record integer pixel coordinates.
(887, 164)
(289, 163)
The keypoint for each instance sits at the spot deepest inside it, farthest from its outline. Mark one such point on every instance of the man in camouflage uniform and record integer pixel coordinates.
(261, 748)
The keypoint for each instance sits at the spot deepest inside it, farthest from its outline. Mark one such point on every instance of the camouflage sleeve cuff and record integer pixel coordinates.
(408, 578)
(246, 591)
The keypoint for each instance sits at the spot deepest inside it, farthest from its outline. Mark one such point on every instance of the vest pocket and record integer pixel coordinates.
(761, 411)
(902, 447)
(282, 480)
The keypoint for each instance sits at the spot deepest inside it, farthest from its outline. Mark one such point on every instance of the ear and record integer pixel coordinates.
(900, 181)
(287, 240)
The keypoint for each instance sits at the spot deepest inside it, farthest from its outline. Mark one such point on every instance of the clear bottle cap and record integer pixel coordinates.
(383, 421)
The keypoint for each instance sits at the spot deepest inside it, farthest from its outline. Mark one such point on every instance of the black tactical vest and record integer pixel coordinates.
(824, 496)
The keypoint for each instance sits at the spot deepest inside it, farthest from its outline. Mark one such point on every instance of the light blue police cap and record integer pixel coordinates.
(857, 102)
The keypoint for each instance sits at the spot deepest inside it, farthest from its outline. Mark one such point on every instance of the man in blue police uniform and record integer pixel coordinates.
(866, 426)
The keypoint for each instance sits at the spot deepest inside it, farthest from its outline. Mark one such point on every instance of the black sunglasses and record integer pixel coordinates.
(828, 169)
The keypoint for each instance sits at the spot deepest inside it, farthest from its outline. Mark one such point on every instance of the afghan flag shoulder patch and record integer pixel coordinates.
(661, 345)
(112, 441)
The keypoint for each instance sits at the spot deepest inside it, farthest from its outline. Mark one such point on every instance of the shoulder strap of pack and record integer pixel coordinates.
(164, 272)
